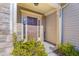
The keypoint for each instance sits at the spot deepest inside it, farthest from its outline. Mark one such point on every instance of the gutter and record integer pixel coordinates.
(64, 5)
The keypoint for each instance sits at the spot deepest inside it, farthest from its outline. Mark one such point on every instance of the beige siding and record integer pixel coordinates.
(51, 28)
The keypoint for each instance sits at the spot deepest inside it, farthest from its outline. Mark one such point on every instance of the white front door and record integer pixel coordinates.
(31, 28)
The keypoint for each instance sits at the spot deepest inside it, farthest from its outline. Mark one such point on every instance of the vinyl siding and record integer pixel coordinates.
(71, 24)
(4, 28)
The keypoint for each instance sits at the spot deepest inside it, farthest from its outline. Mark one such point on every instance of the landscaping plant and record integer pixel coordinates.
(28, 48)
(68, 50)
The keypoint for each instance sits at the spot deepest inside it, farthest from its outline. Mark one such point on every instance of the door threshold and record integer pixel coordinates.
(50, 42)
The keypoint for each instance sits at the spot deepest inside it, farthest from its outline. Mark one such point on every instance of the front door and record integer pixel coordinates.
(30, 28)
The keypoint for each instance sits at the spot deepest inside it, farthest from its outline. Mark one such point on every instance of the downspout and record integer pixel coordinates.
(62, 30)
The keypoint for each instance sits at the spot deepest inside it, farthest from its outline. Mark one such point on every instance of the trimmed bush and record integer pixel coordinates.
(29, 48)
(68, 50)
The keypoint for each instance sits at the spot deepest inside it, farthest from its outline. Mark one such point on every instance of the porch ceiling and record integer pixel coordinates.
(44, 8)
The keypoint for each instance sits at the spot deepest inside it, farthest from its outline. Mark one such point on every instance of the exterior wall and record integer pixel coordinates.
(71, 24)
(5, 32)
(51, 28)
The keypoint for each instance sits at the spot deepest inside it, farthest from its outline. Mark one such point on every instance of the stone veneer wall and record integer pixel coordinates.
(5, 42)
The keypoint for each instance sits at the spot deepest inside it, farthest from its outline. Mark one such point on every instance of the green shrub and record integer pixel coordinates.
(29, 48)
(68, 50)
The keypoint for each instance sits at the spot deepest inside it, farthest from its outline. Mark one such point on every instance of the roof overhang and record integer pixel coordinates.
(42, 8)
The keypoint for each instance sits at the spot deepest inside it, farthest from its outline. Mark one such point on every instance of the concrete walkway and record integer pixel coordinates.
(49, 49)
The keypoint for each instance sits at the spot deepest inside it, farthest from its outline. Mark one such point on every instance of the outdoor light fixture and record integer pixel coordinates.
(36, 4)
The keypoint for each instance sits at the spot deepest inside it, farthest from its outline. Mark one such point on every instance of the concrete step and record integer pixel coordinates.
(49, 49)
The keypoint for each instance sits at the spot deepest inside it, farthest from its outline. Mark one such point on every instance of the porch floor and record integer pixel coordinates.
(49, 49)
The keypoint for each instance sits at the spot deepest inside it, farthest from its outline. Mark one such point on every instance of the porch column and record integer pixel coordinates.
(14, 5)
(59, 26)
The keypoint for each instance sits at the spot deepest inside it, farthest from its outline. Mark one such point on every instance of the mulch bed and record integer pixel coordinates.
(57, 52)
